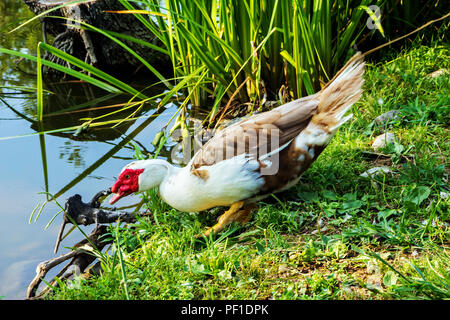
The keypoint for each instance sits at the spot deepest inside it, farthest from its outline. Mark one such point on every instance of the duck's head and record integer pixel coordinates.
(139, 176)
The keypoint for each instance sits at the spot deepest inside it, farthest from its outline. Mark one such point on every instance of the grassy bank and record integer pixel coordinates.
(336, 235)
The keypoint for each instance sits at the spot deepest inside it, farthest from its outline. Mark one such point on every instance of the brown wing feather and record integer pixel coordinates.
(287, 121)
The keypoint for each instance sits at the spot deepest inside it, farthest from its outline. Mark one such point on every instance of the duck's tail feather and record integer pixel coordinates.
(337, 97)
(334, 101)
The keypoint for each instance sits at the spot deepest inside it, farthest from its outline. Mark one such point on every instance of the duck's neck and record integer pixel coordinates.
(156, 170)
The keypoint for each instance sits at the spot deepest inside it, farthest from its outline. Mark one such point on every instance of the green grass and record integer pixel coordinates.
(334, 236)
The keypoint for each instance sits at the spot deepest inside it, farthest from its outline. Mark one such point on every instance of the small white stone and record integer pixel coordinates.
(383, 140)
(387, 116)
(438, 73)
(375, 171)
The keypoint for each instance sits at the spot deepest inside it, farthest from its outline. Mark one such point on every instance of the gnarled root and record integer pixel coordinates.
(82, 256)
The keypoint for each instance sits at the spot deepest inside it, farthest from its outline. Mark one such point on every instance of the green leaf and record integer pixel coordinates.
(390, 278)
(386, 213)
(398, 148)
(87, 67)
(309, 196)
(261, 248)
(288, 57)
(352, 204)
(417, 195)
(330, 195)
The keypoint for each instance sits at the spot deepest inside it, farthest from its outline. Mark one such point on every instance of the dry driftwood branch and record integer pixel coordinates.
(83, 253)
(82, 256)
(76, 211)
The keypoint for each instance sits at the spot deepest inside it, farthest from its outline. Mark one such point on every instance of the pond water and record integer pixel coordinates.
(82, 163)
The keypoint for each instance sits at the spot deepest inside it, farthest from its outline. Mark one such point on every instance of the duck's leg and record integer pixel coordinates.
(236, 213)
(225, 219)
(244, 215)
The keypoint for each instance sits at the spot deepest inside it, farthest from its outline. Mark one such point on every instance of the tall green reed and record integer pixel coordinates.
(294, 45)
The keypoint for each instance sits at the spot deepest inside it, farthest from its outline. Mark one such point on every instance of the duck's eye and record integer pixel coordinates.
(127, 176)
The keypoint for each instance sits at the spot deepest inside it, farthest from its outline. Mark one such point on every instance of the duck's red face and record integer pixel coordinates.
(126, 184)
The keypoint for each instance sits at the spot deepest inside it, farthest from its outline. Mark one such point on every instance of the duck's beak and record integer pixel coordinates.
(116, 198)
(120, 190)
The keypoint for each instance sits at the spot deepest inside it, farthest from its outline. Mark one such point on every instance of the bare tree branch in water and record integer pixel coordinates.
(85, 252)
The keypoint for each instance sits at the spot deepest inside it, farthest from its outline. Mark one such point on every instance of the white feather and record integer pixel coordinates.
(229, 181)
(312, 135)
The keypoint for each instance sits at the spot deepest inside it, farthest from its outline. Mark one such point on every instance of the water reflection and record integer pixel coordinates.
(73, 103)
(15, 71)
